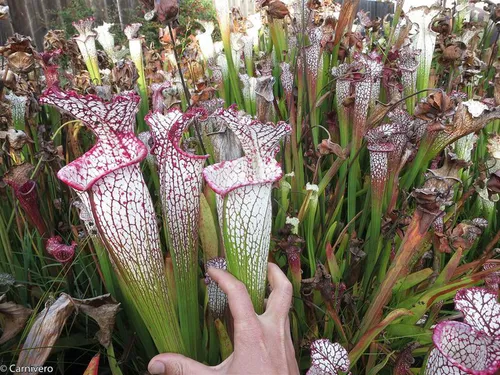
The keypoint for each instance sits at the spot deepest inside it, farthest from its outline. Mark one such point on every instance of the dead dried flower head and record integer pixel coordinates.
(124, 75)
(438, 110)
(54, 40)
(19, 52)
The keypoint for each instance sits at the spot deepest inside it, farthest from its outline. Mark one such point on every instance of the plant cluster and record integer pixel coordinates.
(361, 155)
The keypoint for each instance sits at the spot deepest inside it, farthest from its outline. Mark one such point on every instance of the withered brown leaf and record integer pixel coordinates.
(103, 310)
(15, 318)
(51, 320)
(45, 331)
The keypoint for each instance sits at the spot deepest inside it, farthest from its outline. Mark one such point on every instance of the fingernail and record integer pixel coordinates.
(156, 368)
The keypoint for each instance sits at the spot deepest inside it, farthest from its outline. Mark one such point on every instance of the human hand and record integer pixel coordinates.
(262, 343)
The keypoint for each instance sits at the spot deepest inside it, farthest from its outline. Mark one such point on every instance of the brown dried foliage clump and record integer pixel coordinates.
(438, 109)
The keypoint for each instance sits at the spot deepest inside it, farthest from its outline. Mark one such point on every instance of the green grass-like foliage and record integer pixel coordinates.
(375, 255)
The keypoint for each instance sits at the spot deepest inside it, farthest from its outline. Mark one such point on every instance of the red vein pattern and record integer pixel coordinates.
(180, 188)
(438, 364)
(328, 358)
(480, 308)
(492, 281)
(180, 182)
(361, 80)
(313, 55)
(157, 97)
(113, 125)
(343, 87)
(50, 68)
(256, 138)
(61, 252)
(380, 145)
(466, 348)
(29, 200)
(408, 62)
(401, 121)
(217, 299)
(244, 207)
(471, 347)
(374, 67)
(287, 82)
(85, 213)
(121, 205)
(365, 90)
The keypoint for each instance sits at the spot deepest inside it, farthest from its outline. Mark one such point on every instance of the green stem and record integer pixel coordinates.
(113, 364)
(7, 250)
(352, 188)
(284, 191)
(296, 136)
(232, 74)
(295, 271)
(373, 240)
(186, 284)
(384, 261)
(226, 347)
(310, 231)
(135, 46)
(332, 171)
(277, 37)
(417, 166)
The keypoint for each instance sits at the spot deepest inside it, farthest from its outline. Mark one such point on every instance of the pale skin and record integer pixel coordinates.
(262, 343)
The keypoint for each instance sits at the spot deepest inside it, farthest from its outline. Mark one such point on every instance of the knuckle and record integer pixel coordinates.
(287, 287)
(258, 335)
(250, 324)
(238, 287)
(175, 368)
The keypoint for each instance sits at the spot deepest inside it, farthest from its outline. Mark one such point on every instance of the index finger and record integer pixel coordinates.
(280, 299)
(238, 298)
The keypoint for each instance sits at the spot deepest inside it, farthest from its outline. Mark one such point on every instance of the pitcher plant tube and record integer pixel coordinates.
(121, 205)
(180, 187)
(243, 187)
(87, 47)
(472, 346)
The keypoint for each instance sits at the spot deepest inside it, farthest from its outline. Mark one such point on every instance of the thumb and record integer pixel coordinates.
(176, 364)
